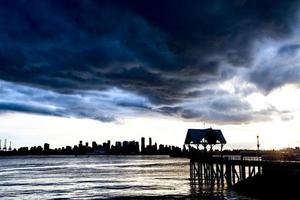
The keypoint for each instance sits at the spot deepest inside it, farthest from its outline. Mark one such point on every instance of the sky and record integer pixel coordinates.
(123, 69)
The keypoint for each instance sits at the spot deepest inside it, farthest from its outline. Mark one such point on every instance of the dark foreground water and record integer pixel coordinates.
(97, 177)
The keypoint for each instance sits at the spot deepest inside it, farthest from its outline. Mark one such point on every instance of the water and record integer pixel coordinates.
(97, 177)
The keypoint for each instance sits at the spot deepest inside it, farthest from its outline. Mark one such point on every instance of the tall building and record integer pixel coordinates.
(46, 147)
(142, 144)
(125, 143)
(4, 146)
(118, 144)
(150, 141)
(155, 146)
(108, 143)
(94, 145)
(9, 148)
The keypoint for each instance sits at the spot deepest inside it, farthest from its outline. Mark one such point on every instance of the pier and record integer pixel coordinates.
(227, 170)
(221, 171)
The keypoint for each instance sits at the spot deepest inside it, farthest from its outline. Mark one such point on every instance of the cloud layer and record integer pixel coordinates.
(105, 59)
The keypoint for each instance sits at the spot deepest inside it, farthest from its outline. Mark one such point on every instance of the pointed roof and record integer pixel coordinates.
(212, 136)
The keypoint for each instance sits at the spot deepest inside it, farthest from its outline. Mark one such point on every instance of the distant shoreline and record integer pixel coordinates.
(83, 156)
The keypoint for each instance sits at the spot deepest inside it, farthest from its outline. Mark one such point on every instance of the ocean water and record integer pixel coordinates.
(102, 177)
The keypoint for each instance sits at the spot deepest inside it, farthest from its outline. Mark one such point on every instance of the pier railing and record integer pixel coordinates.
(223, 170)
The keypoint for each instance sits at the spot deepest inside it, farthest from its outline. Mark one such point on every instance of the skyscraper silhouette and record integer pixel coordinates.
(46, 147)
(143, 144)
(108, 143)
(9, 148)
(4, 147)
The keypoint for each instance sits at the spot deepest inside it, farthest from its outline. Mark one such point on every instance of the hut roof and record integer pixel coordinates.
(212, 136)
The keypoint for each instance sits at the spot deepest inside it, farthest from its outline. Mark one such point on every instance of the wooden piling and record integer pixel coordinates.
(228, 174)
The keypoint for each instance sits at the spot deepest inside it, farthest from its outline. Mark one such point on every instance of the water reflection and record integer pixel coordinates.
(100, 177)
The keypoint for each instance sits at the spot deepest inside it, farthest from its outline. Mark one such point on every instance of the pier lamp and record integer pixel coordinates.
(257, 140)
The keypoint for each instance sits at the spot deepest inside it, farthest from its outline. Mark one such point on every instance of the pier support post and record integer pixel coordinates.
(212, 178)
(228, 174)
(259, 169)
(243, 172)
(191, 170)
(201, 173)
(222, 174)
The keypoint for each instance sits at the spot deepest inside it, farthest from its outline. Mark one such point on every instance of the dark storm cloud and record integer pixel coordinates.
(289, 50)
(223, 110)
(278, 69)
(93, 105)
(271, 77)
(78, 112)
(164, 51)
(23, 107)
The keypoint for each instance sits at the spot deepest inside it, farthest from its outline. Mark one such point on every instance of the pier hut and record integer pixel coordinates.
(204, 137)
(207, 167)
(202, 167)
